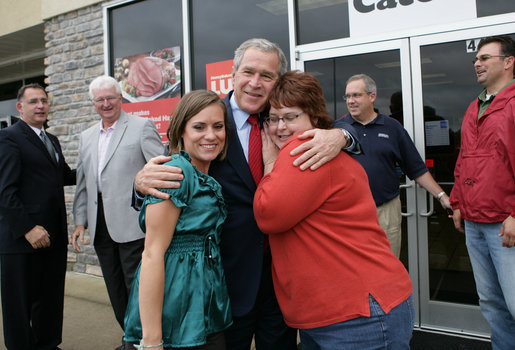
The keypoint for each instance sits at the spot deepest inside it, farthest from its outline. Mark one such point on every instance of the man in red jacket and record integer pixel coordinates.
(483, 197)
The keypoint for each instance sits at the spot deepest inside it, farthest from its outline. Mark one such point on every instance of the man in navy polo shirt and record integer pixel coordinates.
(385, 145)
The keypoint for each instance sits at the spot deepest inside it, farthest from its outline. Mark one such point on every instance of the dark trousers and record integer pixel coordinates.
(32, 298)
(118, 262)
(264, 322)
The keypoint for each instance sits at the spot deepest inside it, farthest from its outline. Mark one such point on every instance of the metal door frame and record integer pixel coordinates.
(404, 53)
(445, 316)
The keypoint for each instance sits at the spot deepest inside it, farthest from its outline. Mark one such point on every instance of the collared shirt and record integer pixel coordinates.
(242, 126)
(103, 143)
(39, 132)
(243, 129)
(484, 101)
(385, 145)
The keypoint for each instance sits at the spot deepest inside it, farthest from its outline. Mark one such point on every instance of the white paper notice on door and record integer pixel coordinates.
(437, 133)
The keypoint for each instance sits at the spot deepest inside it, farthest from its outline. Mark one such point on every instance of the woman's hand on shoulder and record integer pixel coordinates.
(270, 150)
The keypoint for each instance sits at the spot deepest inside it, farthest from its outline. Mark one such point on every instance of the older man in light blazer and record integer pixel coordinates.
(110, 154)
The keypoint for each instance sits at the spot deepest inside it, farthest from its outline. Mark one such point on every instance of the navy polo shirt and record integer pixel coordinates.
(385, 144)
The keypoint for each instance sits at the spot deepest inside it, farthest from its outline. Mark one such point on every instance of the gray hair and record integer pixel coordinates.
(104, 82)
(370, 84)
(263, 45)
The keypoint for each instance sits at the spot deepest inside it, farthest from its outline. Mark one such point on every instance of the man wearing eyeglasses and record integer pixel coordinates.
(483, 196)
(33, 229)
(386, 145)
(110, 154)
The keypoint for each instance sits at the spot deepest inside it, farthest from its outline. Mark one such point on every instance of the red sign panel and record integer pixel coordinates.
(219, 77)
(159, 111)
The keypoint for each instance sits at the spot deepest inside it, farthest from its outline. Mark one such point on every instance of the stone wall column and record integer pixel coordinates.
(74, 57)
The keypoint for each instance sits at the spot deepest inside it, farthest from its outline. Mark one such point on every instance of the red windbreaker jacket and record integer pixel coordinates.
(484, 188)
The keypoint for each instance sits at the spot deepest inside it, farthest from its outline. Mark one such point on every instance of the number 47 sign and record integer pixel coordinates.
(472, 45)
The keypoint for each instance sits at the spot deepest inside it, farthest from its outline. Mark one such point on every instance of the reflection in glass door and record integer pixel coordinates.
(444, 83)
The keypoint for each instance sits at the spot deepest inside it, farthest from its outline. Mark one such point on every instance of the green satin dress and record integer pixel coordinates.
(196, 301)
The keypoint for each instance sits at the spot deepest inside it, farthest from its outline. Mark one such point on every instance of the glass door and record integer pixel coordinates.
(388, 63)
(426, 82)
(444, 84)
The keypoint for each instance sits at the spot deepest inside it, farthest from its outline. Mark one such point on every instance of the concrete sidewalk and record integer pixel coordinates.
(89, 321)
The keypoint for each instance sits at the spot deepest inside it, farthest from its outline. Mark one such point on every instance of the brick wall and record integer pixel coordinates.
(74, 57)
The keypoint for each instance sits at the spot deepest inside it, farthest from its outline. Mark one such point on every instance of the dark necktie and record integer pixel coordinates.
(49, 146)
(255, 155)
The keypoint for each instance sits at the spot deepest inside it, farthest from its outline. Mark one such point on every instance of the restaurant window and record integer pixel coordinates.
(218, 28)
(320, 20)
(147, 36)
(145, 57)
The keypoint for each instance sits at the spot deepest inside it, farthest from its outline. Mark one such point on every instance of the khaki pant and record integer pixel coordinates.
(390, 220)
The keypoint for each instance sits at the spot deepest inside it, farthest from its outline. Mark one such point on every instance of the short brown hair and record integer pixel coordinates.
(189, 106)
(506, 42)
(299, 89)
(21, 91)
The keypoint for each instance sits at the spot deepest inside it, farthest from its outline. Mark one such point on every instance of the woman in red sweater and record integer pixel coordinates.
(335, 276)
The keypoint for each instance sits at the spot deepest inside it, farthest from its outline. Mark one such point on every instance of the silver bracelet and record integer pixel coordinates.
(440, 195)
(148, 346)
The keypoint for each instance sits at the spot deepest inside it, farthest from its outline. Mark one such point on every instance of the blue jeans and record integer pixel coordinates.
(494, 272)
(379, 331)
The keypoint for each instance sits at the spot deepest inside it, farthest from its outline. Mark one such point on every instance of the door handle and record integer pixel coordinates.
(431, 207)
(406, 185)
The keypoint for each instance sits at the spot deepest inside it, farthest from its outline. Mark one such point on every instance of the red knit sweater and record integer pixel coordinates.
(328, 250)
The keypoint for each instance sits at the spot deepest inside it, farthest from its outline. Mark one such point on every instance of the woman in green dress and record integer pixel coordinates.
(179, 298)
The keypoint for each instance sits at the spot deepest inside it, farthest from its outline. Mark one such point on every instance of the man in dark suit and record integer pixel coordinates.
(33, 231)
(245, 255)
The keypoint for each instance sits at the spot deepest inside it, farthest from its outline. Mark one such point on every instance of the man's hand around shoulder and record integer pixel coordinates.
(38, 237)
(155, 175)
(323, 147)
(508, 232)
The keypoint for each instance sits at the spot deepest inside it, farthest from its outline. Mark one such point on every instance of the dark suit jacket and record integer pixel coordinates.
(242, 241)
(31, 189)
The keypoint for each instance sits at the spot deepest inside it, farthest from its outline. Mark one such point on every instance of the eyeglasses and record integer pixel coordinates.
(100, 100)
(355, 96)
(483, 58)
(287, 119)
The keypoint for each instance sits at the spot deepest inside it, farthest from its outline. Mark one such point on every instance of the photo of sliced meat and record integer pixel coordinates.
(147, 75)
(150, 75)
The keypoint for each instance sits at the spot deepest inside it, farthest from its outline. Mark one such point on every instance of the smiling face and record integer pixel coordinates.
(33, 107)
(360, 103)
(281, 132)
(490, 71)
(204, 136)
(254, 79)
(108, 104)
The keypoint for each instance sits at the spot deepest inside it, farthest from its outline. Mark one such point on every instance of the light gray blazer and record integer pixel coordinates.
(135, 140)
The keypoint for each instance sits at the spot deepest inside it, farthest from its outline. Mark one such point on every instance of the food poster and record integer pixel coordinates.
(159, 111)
(151, 85)
(219, 77)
